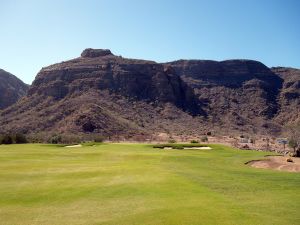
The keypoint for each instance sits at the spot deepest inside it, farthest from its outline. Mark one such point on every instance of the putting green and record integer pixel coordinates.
(137, 184)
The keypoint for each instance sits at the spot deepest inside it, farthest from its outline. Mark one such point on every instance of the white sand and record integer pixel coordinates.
(203, 148)
(73, 146)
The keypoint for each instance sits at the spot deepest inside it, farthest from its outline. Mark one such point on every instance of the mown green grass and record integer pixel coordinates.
(179, 146)
(137, 184)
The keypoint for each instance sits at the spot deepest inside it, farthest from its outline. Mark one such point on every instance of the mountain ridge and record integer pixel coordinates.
(99, 92)
(11, 89)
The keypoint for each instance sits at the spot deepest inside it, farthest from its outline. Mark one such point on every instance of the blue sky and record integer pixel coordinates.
(36, 33)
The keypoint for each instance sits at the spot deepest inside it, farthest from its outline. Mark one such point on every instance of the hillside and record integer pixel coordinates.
(117, 97)
(11, 89)
(106, 94)
(289, 97)
(237, 94)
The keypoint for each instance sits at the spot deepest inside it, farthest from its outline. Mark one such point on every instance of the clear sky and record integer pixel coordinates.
(37, 33)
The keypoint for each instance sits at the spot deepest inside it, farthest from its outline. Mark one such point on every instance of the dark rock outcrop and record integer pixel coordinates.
(11, 89)
(92, 53)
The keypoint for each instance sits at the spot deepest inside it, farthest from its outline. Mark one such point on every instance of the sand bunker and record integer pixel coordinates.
(277, 163)
(73, 146)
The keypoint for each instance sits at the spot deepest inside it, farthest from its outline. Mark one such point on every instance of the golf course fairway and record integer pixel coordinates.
(121, 184)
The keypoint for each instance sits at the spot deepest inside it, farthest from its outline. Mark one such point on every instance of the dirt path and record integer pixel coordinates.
(277, 163)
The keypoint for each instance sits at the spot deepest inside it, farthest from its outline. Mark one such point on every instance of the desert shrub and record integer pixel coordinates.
(178, 146)
(55, 139)
(1, 138)
(289, 160)
(293, 144)
(209, 133)
(99, 139)
(20, 139)
(37, 138)
(70, 139)
(171, 141)
(7, 139)
(204, 139)
(245, 147)
(194, 141)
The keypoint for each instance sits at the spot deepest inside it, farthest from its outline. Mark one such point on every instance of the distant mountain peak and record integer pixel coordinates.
(11, 89)
(93, 53)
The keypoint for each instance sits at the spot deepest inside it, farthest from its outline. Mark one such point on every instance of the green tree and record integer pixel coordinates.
(293, 144)
(7, 139)
(55, 139)
(293, 132)
(20, 139)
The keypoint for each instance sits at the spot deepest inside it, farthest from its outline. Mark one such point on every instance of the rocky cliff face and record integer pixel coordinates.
(11, 89)
(289, 97)
(103, 93)
(238, 94)
(100, 70)
(118, 97)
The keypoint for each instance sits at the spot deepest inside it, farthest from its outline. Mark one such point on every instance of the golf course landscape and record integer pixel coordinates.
(139, 184)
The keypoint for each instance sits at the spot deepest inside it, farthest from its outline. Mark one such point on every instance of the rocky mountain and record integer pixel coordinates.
(117, 97)
(11, 89)
(237, 94)
(106, 94)
(289, 97)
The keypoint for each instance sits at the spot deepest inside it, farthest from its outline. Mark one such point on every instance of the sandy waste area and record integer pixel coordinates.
(277, 163)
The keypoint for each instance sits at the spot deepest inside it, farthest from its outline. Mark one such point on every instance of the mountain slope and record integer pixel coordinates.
(128, 98)
(11, 89)
(238, 94)
(102, 93)
(289, 97)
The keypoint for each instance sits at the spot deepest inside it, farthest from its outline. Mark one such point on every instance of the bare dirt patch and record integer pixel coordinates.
(277, 163)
